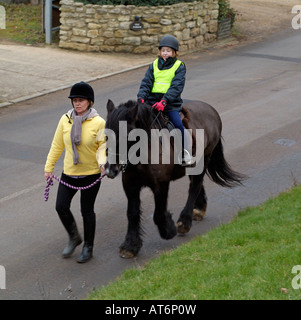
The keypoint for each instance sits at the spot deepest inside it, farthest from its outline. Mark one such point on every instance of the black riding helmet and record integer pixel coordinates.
(169, 41)
(82, 90)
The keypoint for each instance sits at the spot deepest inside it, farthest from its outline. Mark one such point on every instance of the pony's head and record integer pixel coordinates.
(120, 122)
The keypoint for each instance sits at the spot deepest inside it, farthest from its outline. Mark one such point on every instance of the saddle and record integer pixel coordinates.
(185, 117)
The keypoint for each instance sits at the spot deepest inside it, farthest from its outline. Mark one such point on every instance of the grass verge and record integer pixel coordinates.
(250, 258)
(24, 24)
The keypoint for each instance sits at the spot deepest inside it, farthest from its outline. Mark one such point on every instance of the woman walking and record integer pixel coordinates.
(80, 132)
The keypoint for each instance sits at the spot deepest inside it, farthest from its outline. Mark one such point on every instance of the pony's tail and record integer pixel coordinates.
(220, 171)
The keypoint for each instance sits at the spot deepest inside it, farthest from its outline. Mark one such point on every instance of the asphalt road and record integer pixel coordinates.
(255, 89)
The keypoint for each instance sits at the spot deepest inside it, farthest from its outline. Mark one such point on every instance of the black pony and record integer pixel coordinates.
(157, 177)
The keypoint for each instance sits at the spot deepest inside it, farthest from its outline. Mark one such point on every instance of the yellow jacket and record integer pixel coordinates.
(91, 151)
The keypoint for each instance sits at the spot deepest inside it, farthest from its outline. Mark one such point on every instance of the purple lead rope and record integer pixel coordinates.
(50, 183)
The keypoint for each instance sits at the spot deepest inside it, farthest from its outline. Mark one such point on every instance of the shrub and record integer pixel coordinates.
(225, 11)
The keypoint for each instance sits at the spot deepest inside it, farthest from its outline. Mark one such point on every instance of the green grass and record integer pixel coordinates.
(24, 24)
(250, 258)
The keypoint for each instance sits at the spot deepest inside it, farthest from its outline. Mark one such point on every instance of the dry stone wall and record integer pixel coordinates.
(107, 28)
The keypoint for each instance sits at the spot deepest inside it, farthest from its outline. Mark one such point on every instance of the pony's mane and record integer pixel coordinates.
(144, 117)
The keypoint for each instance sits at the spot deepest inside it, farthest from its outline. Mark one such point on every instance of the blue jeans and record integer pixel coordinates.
(175, 118)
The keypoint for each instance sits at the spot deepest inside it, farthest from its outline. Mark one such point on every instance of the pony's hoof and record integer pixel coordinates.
(181, 228)
(198, 215)
(125, 254)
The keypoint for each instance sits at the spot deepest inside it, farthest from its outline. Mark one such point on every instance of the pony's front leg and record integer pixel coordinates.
(133, 242)
(184, 222)
(162, 217)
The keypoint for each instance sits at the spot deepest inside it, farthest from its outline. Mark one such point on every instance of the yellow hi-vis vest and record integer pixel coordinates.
(163, 78)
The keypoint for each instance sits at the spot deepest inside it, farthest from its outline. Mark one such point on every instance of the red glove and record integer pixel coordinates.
(159, 106)
(141, 100)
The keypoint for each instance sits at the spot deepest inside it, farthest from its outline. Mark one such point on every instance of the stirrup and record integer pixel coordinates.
(187, 159)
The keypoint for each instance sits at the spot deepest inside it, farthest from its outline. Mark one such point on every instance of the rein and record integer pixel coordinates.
(156, 119)
(50, 183)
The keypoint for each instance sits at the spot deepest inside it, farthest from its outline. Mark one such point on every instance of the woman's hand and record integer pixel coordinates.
(102, 168)
(48, 175)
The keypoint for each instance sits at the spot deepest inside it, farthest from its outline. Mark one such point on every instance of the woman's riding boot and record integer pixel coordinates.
(74, 236)
(89, 233)
(86, 255)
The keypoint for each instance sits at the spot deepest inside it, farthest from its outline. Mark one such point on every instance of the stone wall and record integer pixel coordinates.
(106, 28)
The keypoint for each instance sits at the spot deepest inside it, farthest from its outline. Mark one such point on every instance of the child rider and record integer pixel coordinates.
(163, 85)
